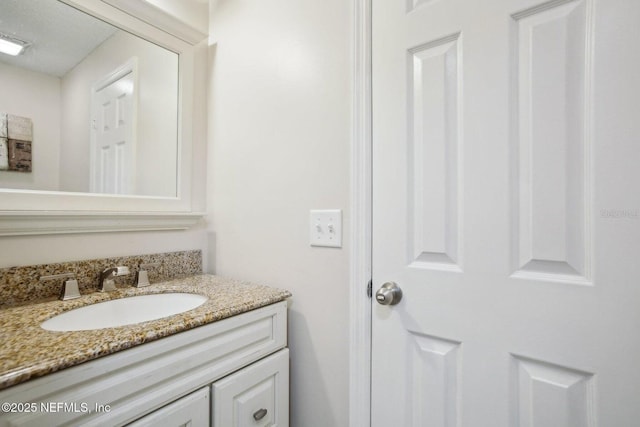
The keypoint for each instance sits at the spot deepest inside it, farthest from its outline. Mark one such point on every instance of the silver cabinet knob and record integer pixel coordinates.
(389, 294)
(259, 414)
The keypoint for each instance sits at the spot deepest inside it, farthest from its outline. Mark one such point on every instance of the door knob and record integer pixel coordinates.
(389, 294)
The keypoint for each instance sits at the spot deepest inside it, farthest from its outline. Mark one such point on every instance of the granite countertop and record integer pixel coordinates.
(28, 351)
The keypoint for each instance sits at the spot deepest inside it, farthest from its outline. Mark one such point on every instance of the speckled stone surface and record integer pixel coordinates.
(23, 285)
(28, 351)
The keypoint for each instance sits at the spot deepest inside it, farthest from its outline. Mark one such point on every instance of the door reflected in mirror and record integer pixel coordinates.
(103, 103)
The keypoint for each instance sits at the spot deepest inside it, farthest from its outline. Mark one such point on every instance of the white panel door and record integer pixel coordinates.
(506, 206)
(113, 126)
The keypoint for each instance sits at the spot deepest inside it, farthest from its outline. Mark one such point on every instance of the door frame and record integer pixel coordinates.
(360, 220)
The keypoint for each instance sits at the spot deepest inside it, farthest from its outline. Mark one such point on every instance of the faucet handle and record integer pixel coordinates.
(69, 288)
(143, 275)
(143, 279)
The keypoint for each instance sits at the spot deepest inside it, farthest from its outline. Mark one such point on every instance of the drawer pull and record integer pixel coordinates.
(259, 414)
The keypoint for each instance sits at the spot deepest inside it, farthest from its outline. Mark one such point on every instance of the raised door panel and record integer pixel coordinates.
(434, 145)
(552, 131)
(548, 395)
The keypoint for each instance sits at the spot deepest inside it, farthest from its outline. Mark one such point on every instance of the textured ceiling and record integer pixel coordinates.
(60, 35)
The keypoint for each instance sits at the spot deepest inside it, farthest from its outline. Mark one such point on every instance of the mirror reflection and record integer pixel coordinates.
(85, 106)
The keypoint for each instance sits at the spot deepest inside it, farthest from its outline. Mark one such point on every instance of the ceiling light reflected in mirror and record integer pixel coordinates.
(11, 45)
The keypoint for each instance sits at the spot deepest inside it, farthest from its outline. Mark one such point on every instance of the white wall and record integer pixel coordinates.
(36, 96)
(33, 250)
(279, 138)
(156, 120)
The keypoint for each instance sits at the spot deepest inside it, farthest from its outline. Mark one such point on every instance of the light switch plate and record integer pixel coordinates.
(325, 228)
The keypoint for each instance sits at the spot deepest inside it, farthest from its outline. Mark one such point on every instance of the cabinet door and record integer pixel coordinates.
(256, 396)
(191, 411)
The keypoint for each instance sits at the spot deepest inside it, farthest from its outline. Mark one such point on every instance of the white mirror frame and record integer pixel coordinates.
(29, 212)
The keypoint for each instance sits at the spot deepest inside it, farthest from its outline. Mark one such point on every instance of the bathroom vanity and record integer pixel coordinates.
(224, 363)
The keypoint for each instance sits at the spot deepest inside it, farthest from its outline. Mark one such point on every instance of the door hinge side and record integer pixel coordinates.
(369, 288)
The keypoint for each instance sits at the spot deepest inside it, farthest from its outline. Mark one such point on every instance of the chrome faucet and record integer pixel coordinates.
(106, 278)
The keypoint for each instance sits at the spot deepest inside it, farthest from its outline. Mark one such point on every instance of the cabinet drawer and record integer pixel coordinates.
(191, 410)
(256, 396)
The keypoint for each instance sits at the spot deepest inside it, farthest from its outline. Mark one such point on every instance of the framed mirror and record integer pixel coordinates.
(95, 117)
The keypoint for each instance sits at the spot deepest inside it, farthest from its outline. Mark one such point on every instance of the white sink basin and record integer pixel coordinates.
(123, 311)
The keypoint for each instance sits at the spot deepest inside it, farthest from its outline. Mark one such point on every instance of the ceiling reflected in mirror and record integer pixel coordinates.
(58, 36)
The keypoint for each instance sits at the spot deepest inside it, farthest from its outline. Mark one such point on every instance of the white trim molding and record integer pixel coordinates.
(21, 223)
(361, 181)
(157, 17)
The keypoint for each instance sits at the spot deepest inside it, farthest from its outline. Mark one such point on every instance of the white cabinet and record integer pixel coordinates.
(256, 396)
(191, 410)
(124, 387)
